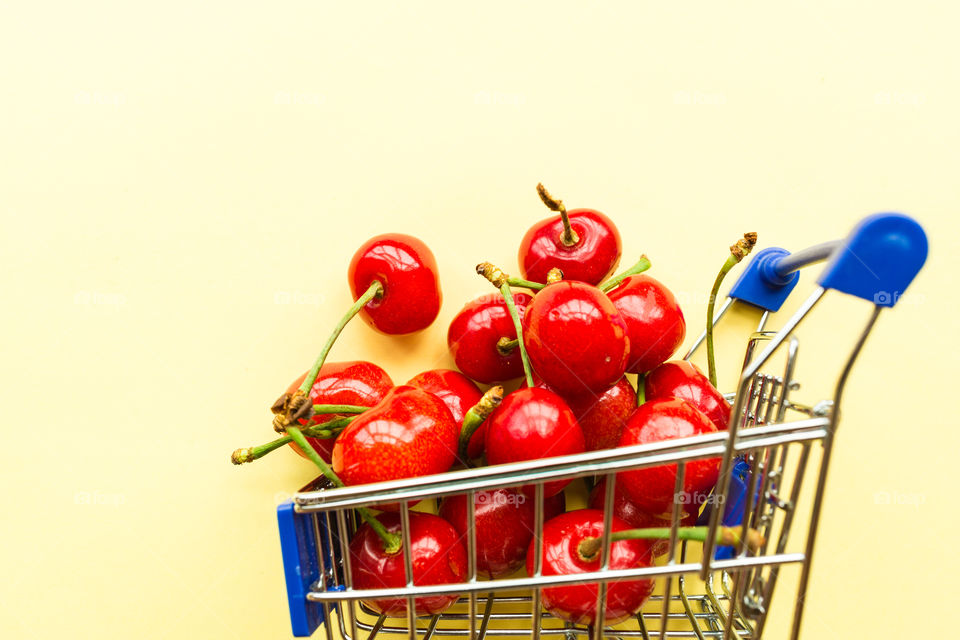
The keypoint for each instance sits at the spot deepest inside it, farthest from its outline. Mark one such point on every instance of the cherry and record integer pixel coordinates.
(410, 433)
(602, 417)
(459, 393)
(654, 321)
(359, 383)
(583, 243)
(437, 555)
(575, 337)
(531, 424)
(474, 335)
(636, 517)
(409, 298)
(652, 488)
(504, 521)
(681, 379)
(562, 555)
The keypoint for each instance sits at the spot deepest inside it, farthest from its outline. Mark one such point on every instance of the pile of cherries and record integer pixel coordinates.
(570, 337)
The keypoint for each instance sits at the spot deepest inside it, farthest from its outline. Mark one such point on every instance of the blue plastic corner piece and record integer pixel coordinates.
(301, 568)
(734, 507)
(760, 285)
(878, 260)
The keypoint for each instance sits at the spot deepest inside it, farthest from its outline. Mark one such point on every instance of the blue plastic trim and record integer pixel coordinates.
(878, 260)
(760, 285)
(300, 567)
(734, 507)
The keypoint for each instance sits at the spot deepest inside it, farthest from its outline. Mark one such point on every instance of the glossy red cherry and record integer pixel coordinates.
(504, 522)
(602, 417)
(531, 424)
(562, 556)
(474, 333)
(591, 259)
(459, 393)
(681, 379)
(405, 266)
(654, 321)
(410, 433)
(437, 554)
(652, 488)
(575, 337)
(359, 383)
(636, 517)
(504, 525)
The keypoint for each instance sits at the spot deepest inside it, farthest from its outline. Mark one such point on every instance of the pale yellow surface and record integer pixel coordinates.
(182, 186)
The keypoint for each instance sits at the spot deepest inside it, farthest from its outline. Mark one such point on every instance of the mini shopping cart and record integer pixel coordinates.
(775, 443)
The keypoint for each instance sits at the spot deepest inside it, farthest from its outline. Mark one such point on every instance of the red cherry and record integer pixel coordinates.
(575, 338)
(601, 417)
(504, 522)
(681, 379)
(437, 554)
(459, 393)
(562, 556)
(652, 488)
(473, 337)
(359, 383)
(636, 517)
(410, 433)
(531, 424)
(406, 268)
(591, 259)
(654, 321)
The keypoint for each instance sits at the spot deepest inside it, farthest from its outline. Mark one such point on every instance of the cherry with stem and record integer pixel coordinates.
(500, 280)
(737, 253)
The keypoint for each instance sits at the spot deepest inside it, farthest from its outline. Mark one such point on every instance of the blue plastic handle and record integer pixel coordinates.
(761, 285)
(301, 568)
(878, 260)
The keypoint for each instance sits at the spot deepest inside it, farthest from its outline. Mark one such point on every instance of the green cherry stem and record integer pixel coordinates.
(569, 237)
(726, 536)
(391, 541)
(501, 280)
(475, 417)
(372, 292)
(642, 265)
(525, 284)
(512, 308)
(329, 429)
(338, 408)
(737, 253)
(641, 391)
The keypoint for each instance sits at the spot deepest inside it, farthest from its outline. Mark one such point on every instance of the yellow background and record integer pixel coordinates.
(183, 185)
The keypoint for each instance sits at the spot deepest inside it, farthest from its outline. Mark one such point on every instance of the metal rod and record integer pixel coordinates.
(737, 414)
(408, 567)
(805, 257)
(537, 560)
(824, 465)
(472, 558)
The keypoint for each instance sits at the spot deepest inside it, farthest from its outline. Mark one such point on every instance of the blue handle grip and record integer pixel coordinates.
(878, 260)
(761, 285)
(301, 568)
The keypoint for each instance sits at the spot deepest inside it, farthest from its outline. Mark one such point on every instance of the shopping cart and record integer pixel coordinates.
(775, 442)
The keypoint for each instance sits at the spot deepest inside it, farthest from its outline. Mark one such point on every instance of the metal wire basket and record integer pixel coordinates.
(774, 445)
